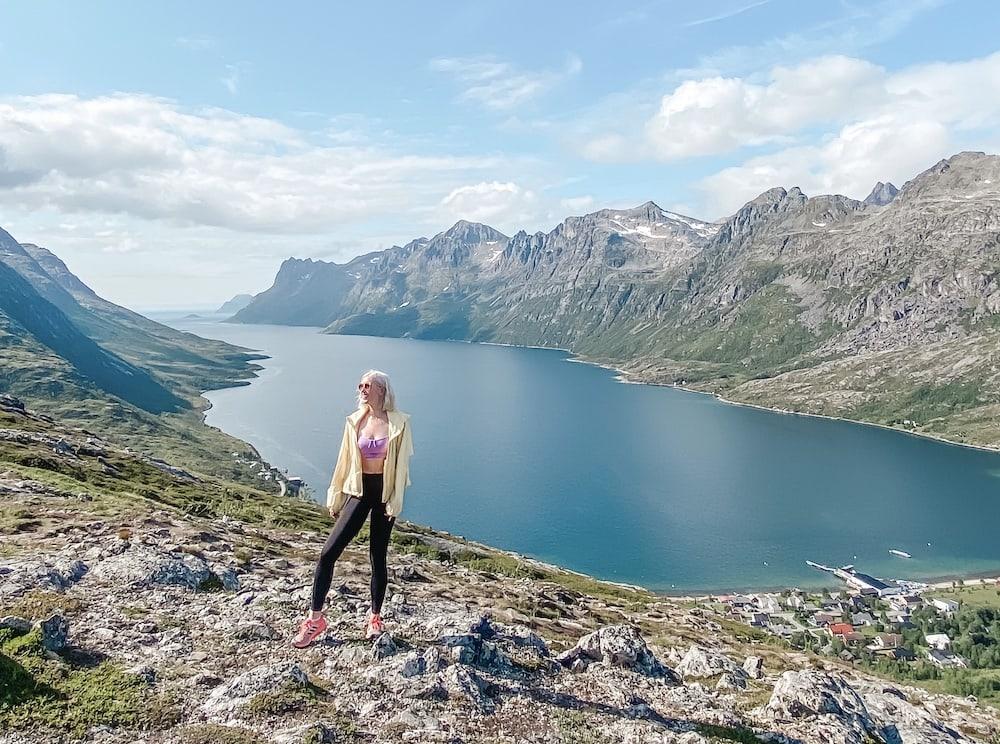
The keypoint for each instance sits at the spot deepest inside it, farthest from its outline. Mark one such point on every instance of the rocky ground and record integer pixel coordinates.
(164, 628)
(143, 602)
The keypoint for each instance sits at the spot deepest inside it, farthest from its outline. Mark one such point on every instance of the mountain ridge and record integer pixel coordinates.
(788, 283)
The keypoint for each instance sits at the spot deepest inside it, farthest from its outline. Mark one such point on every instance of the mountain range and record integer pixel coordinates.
(72, 354)
(884, 310)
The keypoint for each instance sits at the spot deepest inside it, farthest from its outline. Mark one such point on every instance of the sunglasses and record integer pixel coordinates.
(364, 386)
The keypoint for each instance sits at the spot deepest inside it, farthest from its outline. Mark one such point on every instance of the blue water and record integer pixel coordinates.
(525, 450)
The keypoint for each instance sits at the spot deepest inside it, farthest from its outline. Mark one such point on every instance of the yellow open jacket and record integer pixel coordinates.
(346, 480)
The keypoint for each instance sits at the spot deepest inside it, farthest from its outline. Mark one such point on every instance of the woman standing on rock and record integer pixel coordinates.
(371, 474)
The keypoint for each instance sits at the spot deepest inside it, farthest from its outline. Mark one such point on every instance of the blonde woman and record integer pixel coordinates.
(371, 474)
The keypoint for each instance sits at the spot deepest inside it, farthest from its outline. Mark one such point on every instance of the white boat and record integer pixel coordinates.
(900, 553)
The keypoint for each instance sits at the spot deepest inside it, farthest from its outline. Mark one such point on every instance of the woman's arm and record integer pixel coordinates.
(335, 497)
(402, 474)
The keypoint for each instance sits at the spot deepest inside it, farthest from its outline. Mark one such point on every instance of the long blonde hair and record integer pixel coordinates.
(382, 380)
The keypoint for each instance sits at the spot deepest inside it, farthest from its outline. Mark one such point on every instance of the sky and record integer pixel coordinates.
(173, 154)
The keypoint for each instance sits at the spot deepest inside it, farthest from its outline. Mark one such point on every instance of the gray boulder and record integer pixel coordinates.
(822, 704)
(236, 693)
(55, 632)
(616, 645)
(140, 566)
(901, 722)
(700, 662)
(754, 667)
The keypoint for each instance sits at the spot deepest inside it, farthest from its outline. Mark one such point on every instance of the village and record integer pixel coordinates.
(868, 620)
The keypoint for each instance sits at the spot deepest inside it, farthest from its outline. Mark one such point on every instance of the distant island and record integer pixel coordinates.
(236, 304)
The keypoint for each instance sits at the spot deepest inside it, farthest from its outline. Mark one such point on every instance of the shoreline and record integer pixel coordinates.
(636, 379)
(937, 581)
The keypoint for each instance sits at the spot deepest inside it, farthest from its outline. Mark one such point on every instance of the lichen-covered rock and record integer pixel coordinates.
(754, 667)
(22, 575)
(317, 732)
(55, 632)
(822, 703)
(141, 566)
(730, 681)
(383, 646)
(700, 662)
(236, 693)
(463, 682)
(616, 645)
(901, 722)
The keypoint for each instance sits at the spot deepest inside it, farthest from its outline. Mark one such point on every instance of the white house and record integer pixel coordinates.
(938, 641)
(768, 603)
(945, 605)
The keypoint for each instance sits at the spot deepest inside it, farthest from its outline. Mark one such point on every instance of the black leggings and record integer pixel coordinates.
(348, 523)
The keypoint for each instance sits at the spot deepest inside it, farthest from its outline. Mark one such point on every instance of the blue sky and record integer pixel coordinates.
(174, 153)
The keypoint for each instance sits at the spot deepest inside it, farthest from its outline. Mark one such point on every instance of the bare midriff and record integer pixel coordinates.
(373, 436)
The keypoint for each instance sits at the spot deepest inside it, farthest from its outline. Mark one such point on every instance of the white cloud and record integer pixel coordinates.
(152, 203)
(577, 204)
(839, 124)
(886, 148)
(505, 205)
(150, 158)
(716, 115)
(498, 85)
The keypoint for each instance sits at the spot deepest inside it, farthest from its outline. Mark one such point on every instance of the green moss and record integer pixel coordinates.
(289, 698)
(38, 605)
(727, 733)
(576, 727)
(59, 695)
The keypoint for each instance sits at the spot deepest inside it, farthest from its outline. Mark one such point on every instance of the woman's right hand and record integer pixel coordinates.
(333, 514)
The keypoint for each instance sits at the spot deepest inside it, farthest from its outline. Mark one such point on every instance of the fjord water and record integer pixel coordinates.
(676, 491)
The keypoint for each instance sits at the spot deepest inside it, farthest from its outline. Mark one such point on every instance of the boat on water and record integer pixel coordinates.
(900, 553)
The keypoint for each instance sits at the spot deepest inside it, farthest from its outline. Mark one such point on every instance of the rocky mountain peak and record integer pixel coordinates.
(472, 233)
(768, 204)
(967, 174)
(881, 194)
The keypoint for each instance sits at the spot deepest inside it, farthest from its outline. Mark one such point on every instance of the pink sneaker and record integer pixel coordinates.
(308, 631)
(374, 626)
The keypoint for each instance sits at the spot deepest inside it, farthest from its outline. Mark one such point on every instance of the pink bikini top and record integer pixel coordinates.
(372, 449)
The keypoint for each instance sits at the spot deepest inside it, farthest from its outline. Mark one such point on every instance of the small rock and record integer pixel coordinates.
(407, 720)
(383, 647)
(700, 662)
(463, 682)
(754, 667)
(413, 665)
(239, 690)
(256, 632)
(617, 645)
(205, 679)
(309, 733)
(144, 672)
(55, 632)
(730, 681)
